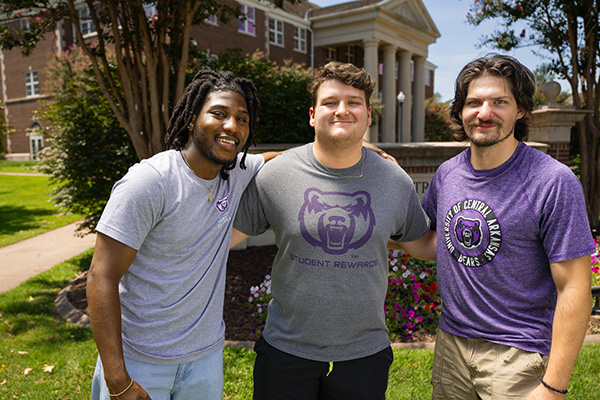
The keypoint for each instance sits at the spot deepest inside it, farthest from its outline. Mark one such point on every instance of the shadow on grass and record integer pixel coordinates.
(18, 218)
(29, 309)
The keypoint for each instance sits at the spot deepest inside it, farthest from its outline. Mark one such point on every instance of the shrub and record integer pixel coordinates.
(438, 127)
(89, 149)
(282, 91)
(412, 302)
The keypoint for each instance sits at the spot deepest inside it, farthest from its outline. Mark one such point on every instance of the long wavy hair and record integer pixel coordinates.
(519, 78)
(188, 108)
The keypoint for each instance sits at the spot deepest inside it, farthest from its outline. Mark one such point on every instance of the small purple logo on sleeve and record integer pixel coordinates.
(222, 203)
(336, 221)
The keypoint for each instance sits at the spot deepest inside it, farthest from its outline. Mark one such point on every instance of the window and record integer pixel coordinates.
(275, 32)
(350, 54)
(85, 22)
(428, 76)
(331, 54)
(36, 141)
(25, 25)
(246, 22)
(32, 87)
(300, 39)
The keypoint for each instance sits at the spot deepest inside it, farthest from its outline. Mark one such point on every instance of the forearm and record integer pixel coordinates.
(105, 318)
(423, 248)
(269, 155)
(568, 332)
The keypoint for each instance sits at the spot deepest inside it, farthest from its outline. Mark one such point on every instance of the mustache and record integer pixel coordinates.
(493, 122)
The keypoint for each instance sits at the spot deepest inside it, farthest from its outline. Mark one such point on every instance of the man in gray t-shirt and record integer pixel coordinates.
(333, 207)
(156, 283)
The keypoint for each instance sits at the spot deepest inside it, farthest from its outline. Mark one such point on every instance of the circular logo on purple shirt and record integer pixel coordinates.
(472, 233)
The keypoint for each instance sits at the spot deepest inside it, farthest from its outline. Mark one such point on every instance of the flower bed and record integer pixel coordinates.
(412, 302)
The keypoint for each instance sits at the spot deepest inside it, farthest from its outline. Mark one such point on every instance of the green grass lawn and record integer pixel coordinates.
(18, 166)
(43, 357)
(26, 208)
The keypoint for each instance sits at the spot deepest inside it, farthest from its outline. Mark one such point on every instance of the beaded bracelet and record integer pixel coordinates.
(554, 389)
(126, 389)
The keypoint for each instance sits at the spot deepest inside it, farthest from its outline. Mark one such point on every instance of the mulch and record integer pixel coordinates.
(247, 268)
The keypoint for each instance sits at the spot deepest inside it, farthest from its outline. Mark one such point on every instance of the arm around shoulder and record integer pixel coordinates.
(422, 248)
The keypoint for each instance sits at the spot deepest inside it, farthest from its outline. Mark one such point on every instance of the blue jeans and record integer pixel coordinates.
(199, 379)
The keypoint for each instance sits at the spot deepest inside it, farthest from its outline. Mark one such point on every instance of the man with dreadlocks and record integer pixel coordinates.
(156, 283)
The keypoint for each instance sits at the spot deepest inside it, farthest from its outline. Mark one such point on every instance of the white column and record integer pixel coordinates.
(388, 123)
(406, 87)
(418, 114)
(370, 63)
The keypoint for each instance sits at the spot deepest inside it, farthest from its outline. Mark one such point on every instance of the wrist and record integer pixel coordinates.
(554, 389)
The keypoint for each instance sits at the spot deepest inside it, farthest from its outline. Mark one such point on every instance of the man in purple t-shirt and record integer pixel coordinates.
(513, 248)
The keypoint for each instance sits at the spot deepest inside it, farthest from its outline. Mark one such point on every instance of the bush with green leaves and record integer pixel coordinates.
(282, 91)
(89, 149)
(438, 127)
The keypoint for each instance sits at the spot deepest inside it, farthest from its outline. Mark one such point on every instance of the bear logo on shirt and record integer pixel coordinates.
(468, 232)
(472, 233)
(336, 221)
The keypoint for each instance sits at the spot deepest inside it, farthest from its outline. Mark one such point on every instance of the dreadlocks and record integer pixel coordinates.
(189, 106)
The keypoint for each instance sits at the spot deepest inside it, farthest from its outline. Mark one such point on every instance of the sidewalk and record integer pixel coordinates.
(26, 259)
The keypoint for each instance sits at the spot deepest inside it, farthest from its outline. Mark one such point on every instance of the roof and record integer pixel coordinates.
(301, 9)
(342, 7)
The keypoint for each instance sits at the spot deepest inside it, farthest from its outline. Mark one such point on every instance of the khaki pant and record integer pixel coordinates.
(465, 369)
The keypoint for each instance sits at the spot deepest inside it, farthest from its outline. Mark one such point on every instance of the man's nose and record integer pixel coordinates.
(341, 108)
(230, 124)
(485, 111)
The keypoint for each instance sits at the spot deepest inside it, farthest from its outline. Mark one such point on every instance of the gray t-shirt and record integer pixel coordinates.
(172, 294)
(329, 278)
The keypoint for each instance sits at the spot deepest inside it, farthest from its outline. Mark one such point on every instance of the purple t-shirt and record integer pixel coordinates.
(498, 231)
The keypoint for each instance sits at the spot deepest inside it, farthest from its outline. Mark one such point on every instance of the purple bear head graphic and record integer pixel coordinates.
(336, 221)
(468, 232)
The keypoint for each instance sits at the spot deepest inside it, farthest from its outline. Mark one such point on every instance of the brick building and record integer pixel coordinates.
(389, 38)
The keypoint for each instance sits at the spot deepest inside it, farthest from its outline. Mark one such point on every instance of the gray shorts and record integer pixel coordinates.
(465, 369)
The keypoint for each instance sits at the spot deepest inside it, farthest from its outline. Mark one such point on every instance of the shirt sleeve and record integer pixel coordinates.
(429, 202)
(564, 226)
(135, 205)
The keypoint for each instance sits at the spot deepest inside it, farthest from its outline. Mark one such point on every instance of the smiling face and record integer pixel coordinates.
(490, 111)
(222, 127)
(340, 115)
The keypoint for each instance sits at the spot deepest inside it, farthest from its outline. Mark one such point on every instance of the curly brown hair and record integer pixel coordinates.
(521, 82)
(348, 74)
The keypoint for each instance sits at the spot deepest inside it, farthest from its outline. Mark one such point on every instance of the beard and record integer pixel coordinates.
(489, 140)
(227, 163)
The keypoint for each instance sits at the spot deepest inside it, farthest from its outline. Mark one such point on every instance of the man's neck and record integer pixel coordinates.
(485, 158)
(337, 157)
(200, 165)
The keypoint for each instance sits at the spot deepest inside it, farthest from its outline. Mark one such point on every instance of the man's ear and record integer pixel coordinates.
(311, 112)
